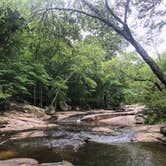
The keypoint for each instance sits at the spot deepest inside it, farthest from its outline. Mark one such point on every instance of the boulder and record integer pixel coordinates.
(77, 108)
(26, 108)
(63, 106)
(139, 120)
(50, 110)
(69, 107)
(109, 107)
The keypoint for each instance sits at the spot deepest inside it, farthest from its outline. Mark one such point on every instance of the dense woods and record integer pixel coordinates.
(51, 56)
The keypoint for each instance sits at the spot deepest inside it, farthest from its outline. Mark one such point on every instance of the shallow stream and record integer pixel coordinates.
(83, 147)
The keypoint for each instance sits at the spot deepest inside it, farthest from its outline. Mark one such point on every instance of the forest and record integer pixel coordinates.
(50, 56)
(82, 82)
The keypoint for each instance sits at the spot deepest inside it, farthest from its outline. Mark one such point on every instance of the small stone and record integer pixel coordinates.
(63, 106)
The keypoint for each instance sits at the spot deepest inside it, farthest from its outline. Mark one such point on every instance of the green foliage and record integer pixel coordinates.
(3, 99)
(17, 78)
(11, 23)
(156, 108)
(44, 60)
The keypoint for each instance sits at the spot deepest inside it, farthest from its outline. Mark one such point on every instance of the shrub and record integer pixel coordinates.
(156, 108)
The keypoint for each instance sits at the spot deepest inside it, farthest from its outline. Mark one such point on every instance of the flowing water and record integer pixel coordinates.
(83, 147)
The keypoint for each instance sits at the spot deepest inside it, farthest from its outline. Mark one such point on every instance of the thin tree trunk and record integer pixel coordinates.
(41, 96)
(55, 97)
(34, 94)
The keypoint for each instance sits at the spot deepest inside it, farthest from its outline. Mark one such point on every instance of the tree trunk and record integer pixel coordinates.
(152, 64)
(141, 51)
(124, 32)
(41, 96)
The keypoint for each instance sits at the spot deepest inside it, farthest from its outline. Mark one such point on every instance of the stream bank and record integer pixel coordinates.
(26, 121)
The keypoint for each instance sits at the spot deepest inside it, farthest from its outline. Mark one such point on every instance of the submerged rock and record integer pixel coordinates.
(64, 106)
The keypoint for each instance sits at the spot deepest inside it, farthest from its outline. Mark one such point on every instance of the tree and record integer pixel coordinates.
(102, 11)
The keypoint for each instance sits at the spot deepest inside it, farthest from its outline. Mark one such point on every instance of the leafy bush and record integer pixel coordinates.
(156, 108)
(3, 100)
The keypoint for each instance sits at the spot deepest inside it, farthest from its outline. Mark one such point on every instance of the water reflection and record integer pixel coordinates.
(134, 154)
(67, 143)
(93, 154)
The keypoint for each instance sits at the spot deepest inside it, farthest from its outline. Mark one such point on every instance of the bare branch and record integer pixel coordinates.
(69, 9)
(97, 16)
(91, 7)
(112, 13)
(126, 11)
(105, 20)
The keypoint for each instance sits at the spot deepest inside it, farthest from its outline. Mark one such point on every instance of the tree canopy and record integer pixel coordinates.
(116, 18)
(50, 52)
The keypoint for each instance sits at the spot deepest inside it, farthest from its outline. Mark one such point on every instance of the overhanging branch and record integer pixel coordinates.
(69, 9)
(99, 17)
(126, 10)
(112, 13)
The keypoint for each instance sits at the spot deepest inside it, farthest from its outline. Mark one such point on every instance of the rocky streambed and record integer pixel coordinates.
(81, 145)
(96, 137)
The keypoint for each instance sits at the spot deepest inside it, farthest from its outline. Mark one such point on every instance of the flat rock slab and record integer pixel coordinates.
(103, 129)
(28, 134)
(30, 162)
(63, 163)
(148, 137)
(64, 115)
(108, 115)
(148, 133)
(15, 120)
(19, 162)
(128, 120)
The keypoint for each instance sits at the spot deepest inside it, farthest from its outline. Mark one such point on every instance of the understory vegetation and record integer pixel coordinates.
(45, 59)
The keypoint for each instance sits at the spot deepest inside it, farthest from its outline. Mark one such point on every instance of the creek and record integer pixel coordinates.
(82, 146)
